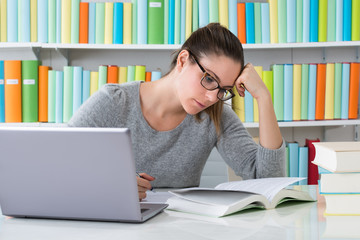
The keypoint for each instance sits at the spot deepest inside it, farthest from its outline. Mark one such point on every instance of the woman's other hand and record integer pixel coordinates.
(144, 185)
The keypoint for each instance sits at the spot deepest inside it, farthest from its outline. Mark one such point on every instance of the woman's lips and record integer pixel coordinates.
(200, 105)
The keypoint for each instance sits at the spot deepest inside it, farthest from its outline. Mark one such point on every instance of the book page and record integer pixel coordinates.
(268, 187)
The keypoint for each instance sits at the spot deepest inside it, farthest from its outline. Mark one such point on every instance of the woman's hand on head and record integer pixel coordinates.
(251, 81)
(144, 184)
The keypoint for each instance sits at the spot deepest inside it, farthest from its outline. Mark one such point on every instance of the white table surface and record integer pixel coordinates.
(288, 221)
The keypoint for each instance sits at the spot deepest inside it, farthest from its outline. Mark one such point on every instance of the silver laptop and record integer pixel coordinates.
(70, 173)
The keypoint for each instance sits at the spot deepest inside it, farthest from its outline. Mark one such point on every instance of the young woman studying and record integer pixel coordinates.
(177, 120)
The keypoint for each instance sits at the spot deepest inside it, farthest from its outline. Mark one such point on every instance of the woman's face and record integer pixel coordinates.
(192, 95)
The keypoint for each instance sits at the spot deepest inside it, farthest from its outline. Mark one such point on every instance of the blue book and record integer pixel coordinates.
(265, 23)
(288, 92)
(2, 93)
(233, 16)
(77, 88)
(177, 22)
(323, 170)
(24, 23)
(182, 21)
(12, 21)
(345, 79)
(85, 86)
(171, 32)
(303, 165)
(203, 13)
(51, 95)
(291, 21)
(278, 88)
(250, 22)
(249, 107)
(339, 20)
(141, 21)
(58, 21)
(118, 24)
(42, 14)
(347, 20)
(314, 20)
(92, 22)
(59, 97)
(306, 20)
(52, 21)
(294, 159)
(312, 91)
(155, 75)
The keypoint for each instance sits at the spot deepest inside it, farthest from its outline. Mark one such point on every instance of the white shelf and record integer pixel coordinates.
(310, 123)
(33, 124)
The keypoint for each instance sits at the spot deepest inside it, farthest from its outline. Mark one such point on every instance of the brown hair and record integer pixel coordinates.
(208, 40)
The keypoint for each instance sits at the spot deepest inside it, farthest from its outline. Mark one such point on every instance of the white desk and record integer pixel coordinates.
(289, 221)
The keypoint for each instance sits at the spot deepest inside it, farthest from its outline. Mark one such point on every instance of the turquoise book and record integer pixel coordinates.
(213, 11)
(103, 75)
(182, 21)
(92, 22)
(100, 23)
(195, 15)
(75, 19)
(250, 22)
(68, 94)
(77, 88)
(52, 21)
(155, 21)
(249, 107)
(12, 21)
(303, 165)
(42, 14)
(345, 81)
(331, 21)
(24, 21)
(288, 92)
(118, 23)
(58, 21)
(312, 91)
(232, 16)
(282, 12)
(347, 7)
(51, 95)
(171, 22)
(314, 20)
(257, 22)
(291, 21)
(337, 90)
(306, 21)
(141, 21)
(155, 75)
(278, 80)
(29, 90)
(203, 13)
(265, 23)
(59, 97)
(134, 24)
(131, 73)
(339, 20)
(177, 22)
(293, 159)
(299, 20)
(2, 93)
(86, 86)
(304, 91)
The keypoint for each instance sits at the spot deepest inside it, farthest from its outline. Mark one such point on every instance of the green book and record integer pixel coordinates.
(29, 90)
(51, 95)
(331, 21)
(134, 21)
(278, 89)
(268, 80)
(177, 22)
(213, 11)
(131, 74)
(166, 21)
(299, 20)
(282, 21)
(304, 91)
(257, 15)
(68, 94)
(322, 20)
(52, 21)
(337, 90)
(156, 22)
(75, 8)
(100, 23)
(195, 16)
(355, 21)
(102, 76)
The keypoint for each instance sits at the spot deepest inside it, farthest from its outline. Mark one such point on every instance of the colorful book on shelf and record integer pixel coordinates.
(147, 76)
(213, 10)
(288, 92)
(183, 20)
(94, 82)
(303, 165)
(339, 19)
(238, 105)
(250, 22)
(141, 22)
(354, 90)
(118, 23)
(77, 88)
(241, 22)
(188, 19)
(323, 20)
(224, 13)
(312, 91)
(166, 21)
(2, 92)
(347, 20)
(29, 90)
(12, 78)
(140, 73)
(155, 22)
(329, 91)
(42, 18)
(296, 92)
(43, 93)
(259, 70)
(313, 174)
(92, 22)
(109, 21)
(24, 20)
(171, 23)
(134, 24)
(233, 16)
(75, 5)
(51, 96)
(178, 20)
(306, 21)
(265, 23)
(68, 94)
(203, 13)
(304, 91)
(299, 20)
(130, 73)
(249, 107)
(314, 21)
(52, 21)
(355, 21)
(320, 91)
(278, 78)
(122, 75)
(290, 21)
(12, 21)
(86, 86)
(3, 21)
(102, 75)
(100, 23)
(331, 21)
(337, 91)
(282, 21)
(112, 74)
(273, 9)
(257, 22)
(267, 78)
(155, 75)
(293, 159)
(195, 15)
(58, 21)
(345, 81)
(65, 21)
(84, 22)
(59, 97)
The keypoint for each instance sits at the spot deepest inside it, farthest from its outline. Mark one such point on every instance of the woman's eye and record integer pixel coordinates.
(210, 79)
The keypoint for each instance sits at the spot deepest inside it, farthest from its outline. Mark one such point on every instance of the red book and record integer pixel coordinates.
(313, 173)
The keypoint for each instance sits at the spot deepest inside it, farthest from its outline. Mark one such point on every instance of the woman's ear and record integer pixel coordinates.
(182, 58)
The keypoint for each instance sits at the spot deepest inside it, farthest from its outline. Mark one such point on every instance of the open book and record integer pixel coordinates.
(231, 197)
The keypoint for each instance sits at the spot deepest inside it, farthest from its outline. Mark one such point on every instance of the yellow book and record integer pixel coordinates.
(94, 82)
(273, 5)
(33, 20)
(329, 91)
(66, 21)
(122, 75)
(224, 13)
(259, 70)
(238, 105)
(109, 16)
(296, 92)
(127, 23)
(140, 73)
(3, 21)
(188, 19)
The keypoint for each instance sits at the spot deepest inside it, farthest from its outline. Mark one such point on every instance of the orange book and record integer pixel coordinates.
(83, 22)
(320, 91)
(147, 76)
(43, 93)
(241, 22)
(354, 90)
(112, 74)
(12, 79)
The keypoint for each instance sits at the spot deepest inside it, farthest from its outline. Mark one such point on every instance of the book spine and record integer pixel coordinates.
(58, 21)
(155, 75)
(354, 90)
(118, 23)
(59, 97)
(68, 94)
(188, 19)
(257, 22)
(299, 20)
(312, 91)
(24, 24)
(313, 174)
(171, 22)
(134, 24)
(278, 77)
(288, 92)
(347, 20)
(52, 21)
(156, 22)
(127, 23)
(51, 96)
(282, 21)
(203, 13)
(142, 22)
(249, 107)
(339, 20)
(166, 21)
(250, 22)
(74, 28)
(3, 20)
(296, 92)
(331, 21)
(182, 21)
(303, 165)
(233, 17)
(323, 20)
(355, 20)
(109, 19)
(195, 15)
(86, 86)
(223, 13)
(241, 22)
(337, 91)
(12, 77)
(268, 80)
(43, 93)
(329, 91)
(178, 21)
(140, 73)
(259, 70)
(12, 21)
(265, 23)
(304, 91)
(65, 21)
(345, 80)
(314, 21)
(291, 21)
(306, 21)
(94, 82)
(131, 74)
(100, 23)
(2, 92)
(102, 76)
(42, 21)
(294, 159)
(274, 31)
(84, 22)
(112, 74)
(238, 105)
(92, 22)
(77, 88)
(122, 75)
(320, 92)
(213, 11)
(147, 76)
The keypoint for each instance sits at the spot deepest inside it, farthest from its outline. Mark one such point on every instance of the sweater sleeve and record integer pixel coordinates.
(247, 158)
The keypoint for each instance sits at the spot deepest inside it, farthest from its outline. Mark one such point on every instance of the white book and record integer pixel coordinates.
(339, 183)
(342, 227)
(231, 197)
(342, 204)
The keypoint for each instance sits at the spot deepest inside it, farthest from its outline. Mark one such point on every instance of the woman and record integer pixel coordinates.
(177, 120)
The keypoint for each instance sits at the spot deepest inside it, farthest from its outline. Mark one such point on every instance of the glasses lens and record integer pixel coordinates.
(224, 94)
(209, 83)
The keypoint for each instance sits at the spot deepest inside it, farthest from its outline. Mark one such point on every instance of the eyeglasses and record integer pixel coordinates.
(209, 83)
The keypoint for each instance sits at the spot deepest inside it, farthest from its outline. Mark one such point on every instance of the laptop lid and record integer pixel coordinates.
(70, 173)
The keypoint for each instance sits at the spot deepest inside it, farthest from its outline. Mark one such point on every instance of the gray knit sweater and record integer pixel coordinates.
(177, 157)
